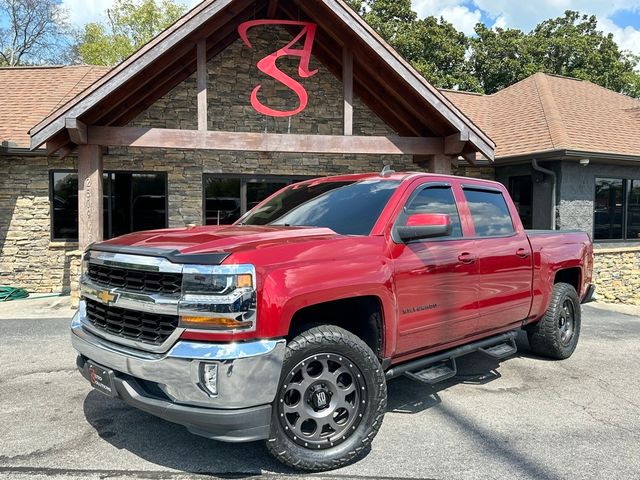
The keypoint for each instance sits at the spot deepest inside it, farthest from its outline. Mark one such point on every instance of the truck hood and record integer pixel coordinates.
(227, 239)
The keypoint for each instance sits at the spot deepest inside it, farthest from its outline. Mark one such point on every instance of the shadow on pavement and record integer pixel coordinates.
(172, 446)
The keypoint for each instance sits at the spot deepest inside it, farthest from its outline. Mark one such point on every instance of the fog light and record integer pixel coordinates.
(210, 377)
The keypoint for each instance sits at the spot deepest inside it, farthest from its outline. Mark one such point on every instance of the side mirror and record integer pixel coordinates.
(421, 226)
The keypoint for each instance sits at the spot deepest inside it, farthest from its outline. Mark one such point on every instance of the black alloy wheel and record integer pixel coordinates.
(331, 400)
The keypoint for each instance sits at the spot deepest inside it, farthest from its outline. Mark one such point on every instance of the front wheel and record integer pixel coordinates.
(556, 334)
(330, 403)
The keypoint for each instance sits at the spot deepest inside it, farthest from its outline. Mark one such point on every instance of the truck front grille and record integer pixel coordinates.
(150, 328)
(135, 280)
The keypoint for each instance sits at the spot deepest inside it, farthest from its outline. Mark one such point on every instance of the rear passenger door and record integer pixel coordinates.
(436, 279)
(504, 256)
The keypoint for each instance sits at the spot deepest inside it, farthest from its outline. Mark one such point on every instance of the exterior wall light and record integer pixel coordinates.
(584, 161)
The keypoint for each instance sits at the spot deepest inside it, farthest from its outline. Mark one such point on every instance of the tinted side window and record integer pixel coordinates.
(437, 200)
(490, 214)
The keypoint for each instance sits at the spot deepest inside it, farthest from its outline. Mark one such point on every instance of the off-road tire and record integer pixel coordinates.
(545, 336)
(330, 340)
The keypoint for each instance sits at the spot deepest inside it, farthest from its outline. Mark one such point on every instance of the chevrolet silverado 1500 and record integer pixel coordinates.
(286, 326)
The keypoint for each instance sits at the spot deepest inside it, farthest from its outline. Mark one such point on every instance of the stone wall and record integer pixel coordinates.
(616, 274)
(28, 258)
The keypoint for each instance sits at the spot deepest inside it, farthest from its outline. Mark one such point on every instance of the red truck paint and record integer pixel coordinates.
(475, 286)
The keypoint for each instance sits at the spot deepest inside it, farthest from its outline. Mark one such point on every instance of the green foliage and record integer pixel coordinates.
(433, 46)
(131, 24)
(570, 45)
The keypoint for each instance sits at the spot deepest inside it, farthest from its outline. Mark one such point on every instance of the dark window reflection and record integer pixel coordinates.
(64, 204)
(633, 211)
(222, 200)
(521, 190)
(131, 202)
(490, 213)
(257, 191)
(608, 216)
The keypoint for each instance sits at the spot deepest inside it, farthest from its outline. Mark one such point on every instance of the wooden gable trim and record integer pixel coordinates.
(129, 68)
(415, 80)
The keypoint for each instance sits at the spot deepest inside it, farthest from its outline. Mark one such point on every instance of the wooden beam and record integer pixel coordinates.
(471, 157)
(56, 143)
(347, 83)
(263, 142)
(272, 8)
(435, 163)
(202, 81)
(90, 216)
(77, 130)
(454, 144)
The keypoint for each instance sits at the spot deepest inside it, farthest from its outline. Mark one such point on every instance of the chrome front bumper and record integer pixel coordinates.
(248, 377)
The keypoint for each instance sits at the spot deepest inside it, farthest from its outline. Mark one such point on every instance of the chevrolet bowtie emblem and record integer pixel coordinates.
(106, 297)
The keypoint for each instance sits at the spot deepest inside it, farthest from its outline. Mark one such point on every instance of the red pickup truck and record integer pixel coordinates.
(286, 326)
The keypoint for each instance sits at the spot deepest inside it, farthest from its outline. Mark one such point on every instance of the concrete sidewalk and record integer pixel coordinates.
(37, 306)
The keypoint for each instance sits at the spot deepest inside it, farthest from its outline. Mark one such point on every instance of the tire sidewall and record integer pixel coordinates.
(568, 294)
(375, 386)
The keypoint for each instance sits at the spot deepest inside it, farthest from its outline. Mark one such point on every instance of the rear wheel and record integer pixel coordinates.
(556, 334)
(330, 403)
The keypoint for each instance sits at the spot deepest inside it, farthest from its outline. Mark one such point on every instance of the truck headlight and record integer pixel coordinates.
(220, 297)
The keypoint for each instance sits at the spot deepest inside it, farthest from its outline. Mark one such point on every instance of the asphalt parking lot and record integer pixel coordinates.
(523, 418)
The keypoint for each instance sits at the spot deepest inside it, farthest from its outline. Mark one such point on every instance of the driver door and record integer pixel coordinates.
(436, 280)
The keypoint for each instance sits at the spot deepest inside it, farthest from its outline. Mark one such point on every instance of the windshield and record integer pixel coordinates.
(348, 208)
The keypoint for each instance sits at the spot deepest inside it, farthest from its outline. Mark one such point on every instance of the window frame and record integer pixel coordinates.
(108, 172)
(626, 197)
(403, 213)
(244, 179)
(482, 188)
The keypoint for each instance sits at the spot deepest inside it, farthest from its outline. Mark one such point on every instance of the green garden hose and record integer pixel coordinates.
(12, 293)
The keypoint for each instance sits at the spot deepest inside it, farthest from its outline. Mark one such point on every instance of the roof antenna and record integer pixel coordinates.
(387, 171)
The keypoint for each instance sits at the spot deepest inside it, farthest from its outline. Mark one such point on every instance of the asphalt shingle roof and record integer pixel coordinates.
(545, 113)
(29, 94)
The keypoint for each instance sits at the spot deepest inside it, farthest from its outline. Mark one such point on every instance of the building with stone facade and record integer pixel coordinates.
(175, 138)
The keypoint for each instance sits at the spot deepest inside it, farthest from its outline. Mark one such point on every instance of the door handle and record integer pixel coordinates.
(466, 257)
(522, 253)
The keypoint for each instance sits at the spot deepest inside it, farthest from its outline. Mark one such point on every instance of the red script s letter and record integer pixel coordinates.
(268, 64)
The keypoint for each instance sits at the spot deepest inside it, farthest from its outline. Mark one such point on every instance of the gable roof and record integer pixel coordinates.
(28, 94)
(386, 83)
(547, 113)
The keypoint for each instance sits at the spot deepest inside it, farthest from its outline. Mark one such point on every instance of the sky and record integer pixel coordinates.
(620, 17)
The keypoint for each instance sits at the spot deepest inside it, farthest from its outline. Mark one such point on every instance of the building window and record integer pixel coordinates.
(132, 201)
(521, 190)
(616, 209)
(228, 197)
(490, 214)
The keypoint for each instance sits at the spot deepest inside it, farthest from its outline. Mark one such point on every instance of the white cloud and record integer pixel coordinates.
(82, 12)
(628, 37)
(462, 18)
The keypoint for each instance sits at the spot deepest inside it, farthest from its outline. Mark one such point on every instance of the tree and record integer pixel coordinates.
(500, 57)
(130, 24)
(434, 47)
(573, 46)
(37, 31)
(570, 45)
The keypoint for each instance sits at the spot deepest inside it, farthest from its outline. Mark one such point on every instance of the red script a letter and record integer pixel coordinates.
(268, 64)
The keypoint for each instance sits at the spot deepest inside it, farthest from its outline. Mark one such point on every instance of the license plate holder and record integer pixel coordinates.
(101, 379)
